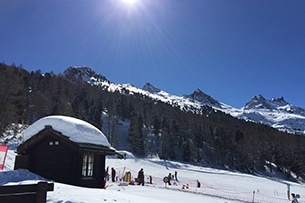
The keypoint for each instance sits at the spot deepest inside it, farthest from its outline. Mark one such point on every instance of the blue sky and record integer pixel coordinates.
(230, 49)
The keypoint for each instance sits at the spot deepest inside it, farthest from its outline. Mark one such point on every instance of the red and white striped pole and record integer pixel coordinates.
(3, 152)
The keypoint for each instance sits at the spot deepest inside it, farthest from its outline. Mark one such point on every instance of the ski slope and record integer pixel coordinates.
(217, 186)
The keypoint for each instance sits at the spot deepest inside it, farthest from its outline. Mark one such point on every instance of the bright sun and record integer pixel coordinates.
(130, 1)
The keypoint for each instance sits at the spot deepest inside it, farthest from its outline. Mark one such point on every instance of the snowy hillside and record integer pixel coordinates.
(217, 186)
(275, 112)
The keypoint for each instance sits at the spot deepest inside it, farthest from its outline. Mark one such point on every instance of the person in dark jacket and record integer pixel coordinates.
(169, 178)
(113, 173)
(294, 198)
(198, 184)
(141, 177)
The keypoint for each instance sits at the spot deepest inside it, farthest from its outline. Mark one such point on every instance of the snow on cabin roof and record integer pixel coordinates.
(77, 130)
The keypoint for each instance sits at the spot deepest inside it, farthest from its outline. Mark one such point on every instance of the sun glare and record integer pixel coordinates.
(130, 1)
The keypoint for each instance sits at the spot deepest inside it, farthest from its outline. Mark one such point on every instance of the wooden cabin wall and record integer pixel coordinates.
(53, 159)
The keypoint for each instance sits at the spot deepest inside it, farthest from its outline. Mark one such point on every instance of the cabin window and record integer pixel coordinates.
(88, 160)
(51, 143)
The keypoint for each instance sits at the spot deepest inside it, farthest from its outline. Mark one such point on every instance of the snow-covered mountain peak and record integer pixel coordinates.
(83, 73)
(279, 101)
(150, 88)
(203, 98)
(278, 104)
(275, 112)
(258, 102)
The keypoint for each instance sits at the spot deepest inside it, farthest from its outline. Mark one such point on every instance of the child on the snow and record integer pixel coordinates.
(198, 184)
(169, 178)
(294, 198)
(176, 178)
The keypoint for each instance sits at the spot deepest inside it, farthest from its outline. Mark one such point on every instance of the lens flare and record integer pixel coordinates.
(130, 1)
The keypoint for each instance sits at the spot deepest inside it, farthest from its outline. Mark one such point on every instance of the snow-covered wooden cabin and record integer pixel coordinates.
(66, 150)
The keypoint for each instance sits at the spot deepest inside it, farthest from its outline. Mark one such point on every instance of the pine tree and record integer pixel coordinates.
(164, 145)
(111, 130)
(135, 135)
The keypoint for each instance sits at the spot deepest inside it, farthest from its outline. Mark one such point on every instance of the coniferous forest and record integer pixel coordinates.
(156, 128)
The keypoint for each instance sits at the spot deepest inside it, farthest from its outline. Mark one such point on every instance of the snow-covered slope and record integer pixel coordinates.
(217, 186)
(275, 112)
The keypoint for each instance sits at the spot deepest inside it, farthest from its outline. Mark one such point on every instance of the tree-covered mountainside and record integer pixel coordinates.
(155, 128)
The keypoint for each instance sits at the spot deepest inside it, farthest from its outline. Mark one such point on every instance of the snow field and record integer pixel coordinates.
(217, 186)
(230, 186)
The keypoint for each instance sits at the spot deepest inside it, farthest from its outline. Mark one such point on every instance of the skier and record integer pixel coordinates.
(176, 178)
(169, 178)
(294, 198)
(113, 172)
(141, 177)
(198, 184)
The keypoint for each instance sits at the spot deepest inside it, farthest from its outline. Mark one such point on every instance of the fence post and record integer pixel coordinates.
(288, 191)
(253, 196)
(41, 195)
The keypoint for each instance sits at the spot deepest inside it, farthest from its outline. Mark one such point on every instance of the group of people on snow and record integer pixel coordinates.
(140, 180)
(167, 179)
(106, 175)
(140, 177)
(171, 177)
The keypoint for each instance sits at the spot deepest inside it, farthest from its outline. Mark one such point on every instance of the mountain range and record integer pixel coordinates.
(150, 122)
(275, 112)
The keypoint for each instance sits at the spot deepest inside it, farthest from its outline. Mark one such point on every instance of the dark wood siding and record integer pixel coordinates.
(52, 158)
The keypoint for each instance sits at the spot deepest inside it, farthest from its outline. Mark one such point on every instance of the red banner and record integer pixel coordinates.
(3, 152)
